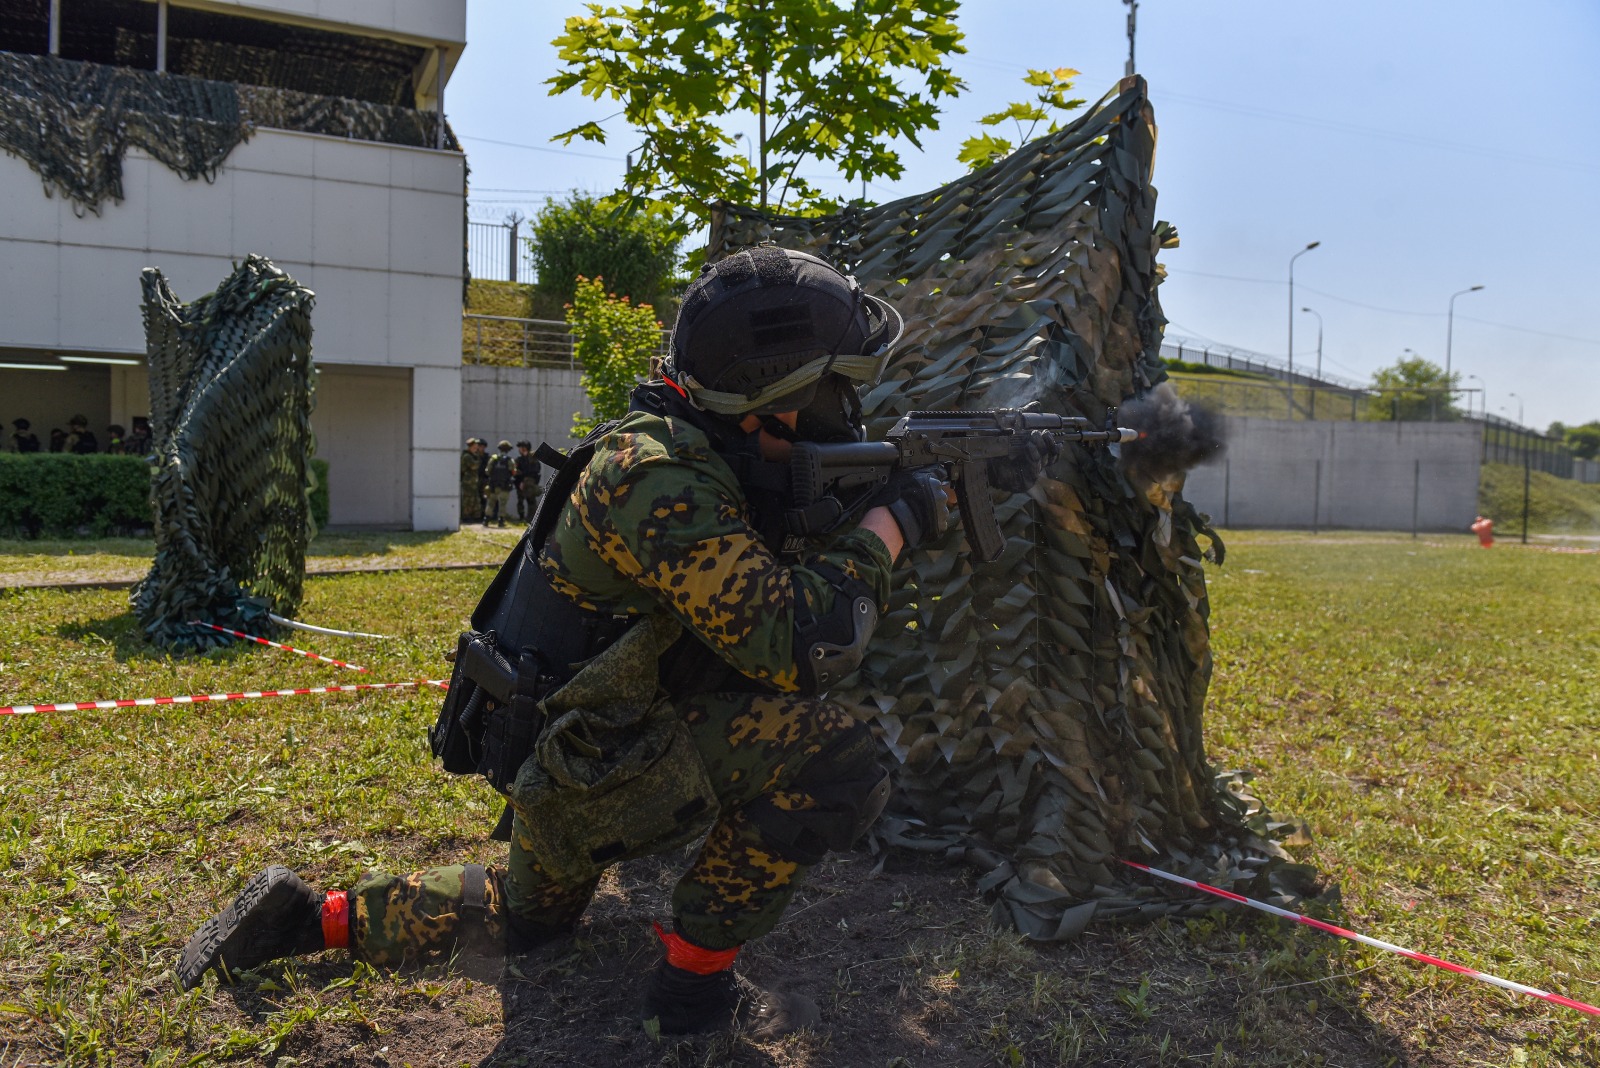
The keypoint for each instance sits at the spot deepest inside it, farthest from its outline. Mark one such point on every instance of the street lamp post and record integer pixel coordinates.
(1519, 407)
(1450, 328)
(1296, 256)
(1485, 398)
(1318, 314)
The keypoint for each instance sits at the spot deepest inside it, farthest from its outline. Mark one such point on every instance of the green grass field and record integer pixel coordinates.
(1429, 708)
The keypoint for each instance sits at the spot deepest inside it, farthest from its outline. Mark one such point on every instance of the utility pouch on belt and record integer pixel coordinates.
(615, 774)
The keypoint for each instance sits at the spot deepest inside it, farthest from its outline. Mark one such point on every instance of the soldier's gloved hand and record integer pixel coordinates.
(919, 501)
(1031, 453)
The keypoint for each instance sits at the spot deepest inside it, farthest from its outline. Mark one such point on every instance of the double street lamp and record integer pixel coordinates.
(1318, 314)
(1450, 328)
(1296, 256)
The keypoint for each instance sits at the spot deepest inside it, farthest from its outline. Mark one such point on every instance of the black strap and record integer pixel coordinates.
(475, 893)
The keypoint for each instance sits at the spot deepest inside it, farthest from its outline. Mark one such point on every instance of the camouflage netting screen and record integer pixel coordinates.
(231, 393)
(1045, 708)
(73, 122)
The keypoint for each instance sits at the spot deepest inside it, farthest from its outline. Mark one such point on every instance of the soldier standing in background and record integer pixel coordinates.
(24, 438)
(527, 479)
(472, 464)
(138, 443)
(499, 478)
(80, 439)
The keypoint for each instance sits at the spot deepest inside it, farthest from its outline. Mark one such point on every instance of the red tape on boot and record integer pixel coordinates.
(692, 958)
(336, 920)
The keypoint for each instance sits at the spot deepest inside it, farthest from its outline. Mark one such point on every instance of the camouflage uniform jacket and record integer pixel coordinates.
(658, 524)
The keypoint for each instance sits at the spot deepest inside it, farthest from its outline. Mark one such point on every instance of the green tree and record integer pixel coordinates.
(613, 339)
(1584, 441)
(823, 83)
(1054, 85)
(636, 253)
(1413, 389)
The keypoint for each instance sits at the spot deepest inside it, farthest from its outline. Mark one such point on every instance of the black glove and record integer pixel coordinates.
(1031, 453)
(919, 501)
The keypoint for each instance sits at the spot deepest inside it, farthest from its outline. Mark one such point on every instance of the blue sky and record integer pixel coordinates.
(1429, 145)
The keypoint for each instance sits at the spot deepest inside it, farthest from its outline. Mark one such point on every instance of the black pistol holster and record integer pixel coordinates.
(526, 641)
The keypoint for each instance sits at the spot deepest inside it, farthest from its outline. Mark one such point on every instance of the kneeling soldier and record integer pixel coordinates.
(669, 561)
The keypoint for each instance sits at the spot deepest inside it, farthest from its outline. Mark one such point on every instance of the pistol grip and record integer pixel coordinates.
(977, 512)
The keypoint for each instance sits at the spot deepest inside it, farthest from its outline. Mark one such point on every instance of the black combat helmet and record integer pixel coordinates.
(758, 331)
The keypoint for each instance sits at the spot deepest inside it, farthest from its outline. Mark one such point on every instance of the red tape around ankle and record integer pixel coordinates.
(336, 920)
(692, 958)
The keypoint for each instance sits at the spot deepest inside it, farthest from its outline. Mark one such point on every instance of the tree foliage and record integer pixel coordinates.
(582, 237)
(824, 84)
(1413, 389)
(1583, 440)
(614, 339)
(1050, 101)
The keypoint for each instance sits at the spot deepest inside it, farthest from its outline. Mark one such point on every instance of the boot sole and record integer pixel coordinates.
(209, 945)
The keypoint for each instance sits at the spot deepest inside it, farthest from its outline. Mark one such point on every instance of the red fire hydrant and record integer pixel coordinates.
(1483, 527)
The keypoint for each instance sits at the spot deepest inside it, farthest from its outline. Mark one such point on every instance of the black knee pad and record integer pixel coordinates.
(849, 788)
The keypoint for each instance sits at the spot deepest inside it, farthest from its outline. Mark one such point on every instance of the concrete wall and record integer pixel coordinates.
(521, 404)
(375, 230)
(1366, 476)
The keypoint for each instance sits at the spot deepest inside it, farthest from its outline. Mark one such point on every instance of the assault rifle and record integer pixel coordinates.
(833, 481)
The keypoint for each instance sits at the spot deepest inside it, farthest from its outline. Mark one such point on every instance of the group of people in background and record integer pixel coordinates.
(489, 479)
(79, 439)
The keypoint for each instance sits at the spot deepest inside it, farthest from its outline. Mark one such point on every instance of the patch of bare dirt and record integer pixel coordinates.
(908, 971)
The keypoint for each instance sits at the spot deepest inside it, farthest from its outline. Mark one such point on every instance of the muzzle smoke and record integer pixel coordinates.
(1174, 435)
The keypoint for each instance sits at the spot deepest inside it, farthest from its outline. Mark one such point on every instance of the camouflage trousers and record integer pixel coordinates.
(754, 746)
(471, 503)
(496, 504)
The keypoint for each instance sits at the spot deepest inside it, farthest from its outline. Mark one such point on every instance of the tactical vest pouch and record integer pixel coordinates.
(616, 774)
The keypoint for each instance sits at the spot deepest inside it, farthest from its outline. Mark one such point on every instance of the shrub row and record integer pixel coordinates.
(62, 495)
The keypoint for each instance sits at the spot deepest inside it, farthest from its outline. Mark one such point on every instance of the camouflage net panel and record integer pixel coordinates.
(73, 122)
(1046, 707)
(231, 394)
(335, 116)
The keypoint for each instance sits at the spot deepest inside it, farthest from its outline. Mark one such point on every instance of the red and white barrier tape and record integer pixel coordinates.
(297, 625)
(204, 698)
(278, 645)
(1493, 980)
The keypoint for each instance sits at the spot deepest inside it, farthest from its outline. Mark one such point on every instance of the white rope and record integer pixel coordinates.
(324, 630)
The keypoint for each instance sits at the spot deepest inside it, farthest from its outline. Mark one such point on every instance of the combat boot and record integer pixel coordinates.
(276, 915)
(708, 995)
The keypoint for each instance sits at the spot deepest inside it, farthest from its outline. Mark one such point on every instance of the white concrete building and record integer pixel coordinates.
(374, 228)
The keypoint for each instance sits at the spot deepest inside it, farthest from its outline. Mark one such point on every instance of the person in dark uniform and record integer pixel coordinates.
(499, 477)
(80, 439)
(24, 438)
(138, 443)
(526, 467)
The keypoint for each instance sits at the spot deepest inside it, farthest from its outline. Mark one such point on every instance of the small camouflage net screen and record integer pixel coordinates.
(231, 394)
(1045, 710)
(74, 122)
